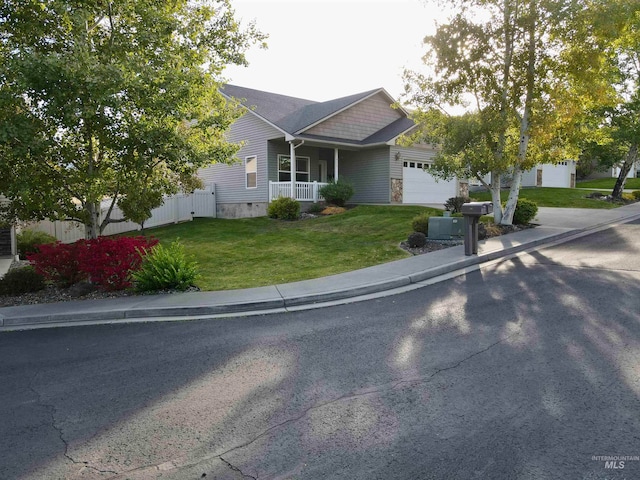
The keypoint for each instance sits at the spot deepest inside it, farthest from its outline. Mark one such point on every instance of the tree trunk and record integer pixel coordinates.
(495, 197)
(629, 160)
(92, 228)
(512, 201)
(516, 182)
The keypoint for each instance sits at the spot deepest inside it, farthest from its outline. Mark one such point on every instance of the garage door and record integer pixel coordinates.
(419, 186)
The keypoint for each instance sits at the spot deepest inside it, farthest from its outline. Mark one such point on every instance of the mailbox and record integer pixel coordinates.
(477, 208)
(472, 212)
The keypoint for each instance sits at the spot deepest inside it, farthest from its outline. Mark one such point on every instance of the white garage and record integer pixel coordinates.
(418, 186)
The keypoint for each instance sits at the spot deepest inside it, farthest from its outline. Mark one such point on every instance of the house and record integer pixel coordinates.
(558, 175)
(293, 146)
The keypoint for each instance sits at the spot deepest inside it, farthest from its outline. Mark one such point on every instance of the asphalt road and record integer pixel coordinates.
(528, 369)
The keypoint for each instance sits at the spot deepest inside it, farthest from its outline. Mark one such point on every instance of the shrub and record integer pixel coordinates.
(417, 240)
(421, 223)
(333, 210)
(166, 268)
(284, 208)
(337, 193)
(628, 197)
(107, 262)
(21, 280)
(29, 240)
(454, 204)
(316, 208)
(526, 210)
(58, 263)
(636, 194)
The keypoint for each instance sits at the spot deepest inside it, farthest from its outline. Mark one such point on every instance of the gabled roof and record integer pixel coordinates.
(294, 115)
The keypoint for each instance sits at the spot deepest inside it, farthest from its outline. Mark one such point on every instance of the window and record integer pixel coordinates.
(284, 168)
(251, 171)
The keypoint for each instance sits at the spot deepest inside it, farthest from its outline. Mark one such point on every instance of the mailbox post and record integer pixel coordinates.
(472, 212)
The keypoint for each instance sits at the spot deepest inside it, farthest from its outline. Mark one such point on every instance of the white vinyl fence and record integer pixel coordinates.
(177, 208)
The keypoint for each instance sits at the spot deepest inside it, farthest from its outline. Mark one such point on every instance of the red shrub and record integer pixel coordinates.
(107, 262)
(58, 263)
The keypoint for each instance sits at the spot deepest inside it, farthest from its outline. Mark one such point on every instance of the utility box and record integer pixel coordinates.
(445, 228)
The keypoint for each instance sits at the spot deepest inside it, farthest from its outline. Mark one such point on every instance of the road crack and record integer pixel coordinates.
(52, 414)
(236, 469)
(346, 397)
(371, 391)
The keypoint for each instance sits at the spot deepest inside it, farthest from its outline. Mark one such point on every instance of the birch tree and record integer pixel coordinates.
(512, 65)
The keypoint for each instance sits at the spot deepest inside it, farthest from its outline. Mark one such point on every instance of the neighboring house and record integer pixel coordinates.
(615, 171)
(559, 175)
(297, 145)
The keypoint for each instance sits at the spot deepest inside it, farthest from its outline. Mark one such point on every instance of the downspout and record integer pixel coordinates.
(335, 164)
(292, 165)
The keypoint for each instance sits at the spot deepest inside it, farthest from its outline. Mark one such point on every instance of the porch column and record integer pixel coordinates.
(292, 166)
(335, 164)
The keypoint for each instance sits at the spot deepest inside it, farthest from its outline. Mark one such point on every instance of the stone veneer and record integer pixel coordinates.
(396, 190)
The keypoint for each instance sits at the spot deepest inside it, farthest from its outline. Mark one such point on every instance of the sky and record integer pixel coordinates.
(320, 50)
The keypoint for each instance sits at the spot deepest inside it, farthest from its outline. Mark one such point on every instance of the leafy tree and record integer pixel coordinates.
(516, 65)
(112, 101)
(619, 34)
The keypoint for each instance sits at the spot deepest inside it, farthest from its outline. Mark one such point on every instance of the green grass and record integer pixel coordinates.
(553, 197)
(254, 252)
(609, 183)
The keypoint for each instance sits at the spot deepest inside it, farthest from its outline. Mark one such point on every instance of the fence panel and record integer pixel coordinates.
(204, 202)
(177, 208)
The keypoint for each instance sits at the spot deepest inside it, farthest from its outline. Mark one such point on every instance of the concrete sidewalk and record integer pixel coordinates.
(414, 272)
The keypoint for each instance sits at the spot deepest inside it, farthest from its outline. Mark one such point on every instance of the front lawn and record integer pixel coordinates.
(552, 197)
(609, 183)
(254, 252)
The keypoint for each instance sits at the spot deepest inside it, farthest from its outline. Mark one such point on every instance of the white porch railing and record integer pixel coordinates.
(305, 191)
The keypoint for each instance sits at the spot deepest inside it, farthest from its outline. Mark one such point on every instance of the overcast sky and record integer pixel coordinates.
(321, 50)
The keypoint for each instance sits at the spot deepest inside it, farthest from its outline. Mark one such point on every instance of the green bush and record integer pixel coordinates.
(636, 194)
(284, 208)
(526, 211)
(166, 268)
(421, 223)
(417, 240)
(28, 241)
(337, 193)
(628, 197)
(316, 208)
(21, 280)
(454, 204)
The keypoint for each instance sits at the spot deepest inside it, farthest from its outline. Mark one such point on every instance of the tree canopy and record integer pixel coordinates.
(527, 71)
(115, 101)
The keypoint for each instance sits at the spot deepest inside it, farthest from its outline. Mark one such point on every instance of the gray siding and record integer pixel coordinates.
(368, 171)
(417, 153)
(360, 121)
(230, 179)
(282, 148)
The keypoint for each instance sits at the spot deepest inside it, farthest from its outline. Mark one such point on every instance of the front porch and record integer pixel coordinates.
(304, 191)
